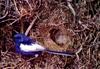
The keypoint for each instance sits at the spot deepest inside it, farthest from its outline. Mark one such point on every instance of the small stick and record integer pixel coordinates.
(31, 24)
(29, 4)
(80, 49)
(13, 22)
(4, 15)
(71, 8)
(16, 7)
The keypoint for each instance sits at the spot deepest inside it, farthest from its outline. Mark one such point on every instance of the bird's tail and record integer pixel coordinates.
(67, 53)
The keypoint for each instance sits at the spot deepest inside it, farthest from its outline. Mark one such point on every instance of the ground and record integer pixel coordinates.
(60, 25)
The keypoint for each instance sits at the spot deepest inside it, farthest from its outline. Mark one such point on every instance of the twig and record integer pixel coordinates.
(4, 15)
(31, 59)
(29, 4)
(97, 36)
(6, 9)
(4, 21)
(31, 24)
(80, 49)
(16, 7)
(13, 22)
(85, 26)
(71, 8)
(78, 58)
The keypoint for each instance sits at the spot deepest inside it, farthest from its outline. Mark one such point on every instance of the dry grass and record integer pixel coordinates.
(78, 21)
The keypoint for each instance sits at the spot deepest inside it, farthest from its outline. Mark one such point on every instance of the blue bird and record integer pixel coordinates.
(29, 47)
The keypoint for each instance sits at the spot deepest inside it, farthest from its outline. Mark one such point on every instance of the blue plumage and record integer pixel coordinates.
(27, 46)
(22, 39)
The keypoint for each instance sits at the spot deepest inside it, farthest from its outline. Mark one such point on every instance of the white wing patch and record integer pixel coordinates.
(32, 47)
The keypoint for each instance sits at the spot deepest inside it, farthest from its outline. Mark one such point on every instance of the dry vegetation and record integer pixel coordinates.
(76, 21)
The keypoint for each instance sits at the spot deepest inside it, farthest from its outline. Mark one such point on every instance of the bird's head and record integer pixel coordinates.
(21, 38)
(18, 38)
